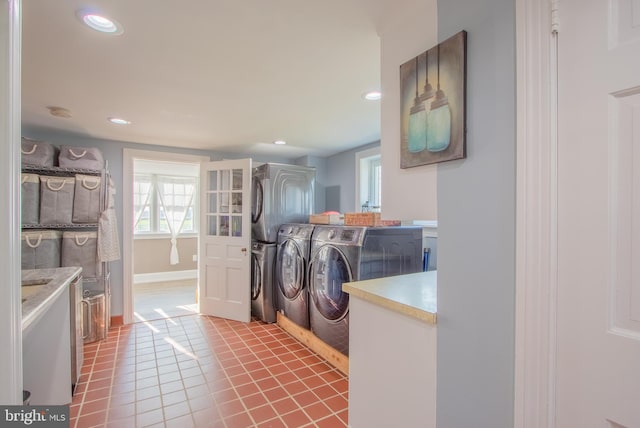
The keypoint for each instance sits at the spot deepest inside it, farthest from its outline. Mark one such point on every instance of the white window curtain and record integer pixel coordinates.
(142, 196)
(176, 196)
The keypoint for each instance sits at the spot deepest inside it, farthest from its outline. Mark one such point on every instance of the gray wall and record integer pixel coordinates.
(476, 226)
(112, 151)
(320, 164)
(340, 185)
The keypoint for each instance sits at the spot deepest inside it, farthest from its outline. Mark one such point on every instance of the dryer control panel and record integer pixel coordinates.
(347, 235)
(339, 234)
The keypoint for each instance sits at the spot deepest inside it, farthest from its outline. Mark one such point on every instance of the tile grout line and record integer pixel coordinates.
(299, 379)
(89, 377)
(253, 381)
(117, 339)
(215, 401)
(88, 383)
(229, 378)
(183, 384)
(203, 334)
(182, 378)
(321, 400)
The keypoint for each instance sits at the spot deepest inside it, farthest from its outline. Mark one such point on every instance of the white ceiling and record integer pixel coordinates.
(223, 75)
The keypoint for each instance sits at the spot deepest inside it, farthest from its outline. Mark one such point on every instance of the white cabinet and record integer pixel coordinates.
(392, 351)
(392, 368)
(46, 354)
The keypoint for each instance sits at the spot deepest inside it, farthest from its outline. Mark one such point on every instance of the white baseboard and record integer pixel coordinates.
(143, 278)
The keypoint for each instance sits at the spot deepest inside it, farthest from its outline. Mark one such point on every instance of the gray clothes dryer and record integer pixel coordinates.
(294, 241)
(263, 296)
(280, 194)
(342, 254)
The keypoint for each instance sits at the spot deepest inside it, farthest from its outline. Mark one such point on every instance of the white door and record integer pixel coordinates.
(225, 240)
(598, 313)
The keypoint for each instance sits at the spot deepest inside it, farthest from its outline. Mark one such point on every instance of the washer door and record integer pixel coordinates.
(290, 267)
(257, 195)
(256, 277)
(327, 271)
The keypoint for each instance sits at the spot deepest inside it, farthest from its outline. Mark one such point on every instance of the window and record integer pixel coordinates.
(374, 174)
(369, 180)
(164, 204)
(142, 203)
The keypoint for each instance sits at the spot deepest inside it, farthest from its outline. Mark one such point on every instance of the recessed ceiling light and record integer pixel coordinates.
(119, 121)
(99, 22)
(280, 142)
(372, 95)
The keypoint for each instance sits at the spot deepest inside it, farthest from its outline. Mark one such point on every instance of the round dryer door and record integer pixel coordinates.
(328, 270)
(290, 265)
(256, 277)
(257, 202)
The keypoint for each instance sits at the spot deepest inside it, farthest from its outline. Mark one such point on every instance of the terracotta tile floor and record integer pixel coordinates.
(197, 371)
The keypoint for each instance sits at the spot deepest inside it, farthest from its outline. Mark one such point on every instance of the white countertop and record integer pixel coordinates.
(413, 294)
(39, 297)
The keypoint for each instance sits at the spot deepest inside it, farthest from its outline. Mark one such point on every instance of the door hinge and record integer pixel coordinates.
(554, 16)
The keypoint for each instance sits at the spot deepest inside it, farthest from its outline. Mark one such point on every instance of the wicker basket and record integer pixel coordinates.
(326, 219)
(368, 219)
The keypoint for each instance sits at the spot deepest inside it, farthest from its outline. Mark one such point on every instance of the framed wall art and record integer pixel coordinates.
(432, 104)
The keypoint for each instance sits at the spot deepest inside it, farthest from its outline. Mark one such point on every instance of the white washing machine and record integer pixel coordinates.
(263, 296)
(350, 253)
(294, 241)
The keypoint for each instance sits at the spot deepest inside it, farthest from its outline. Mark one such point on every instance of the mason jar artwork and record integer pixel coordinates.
(433, 119)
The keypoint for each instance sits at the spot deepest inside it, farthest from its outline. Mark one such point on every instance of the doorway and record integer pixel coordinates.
(160, 234)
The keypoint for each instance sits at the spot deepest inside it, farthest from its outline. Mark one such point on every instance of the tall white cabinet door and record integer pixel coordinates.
(225, 240)
(598, 312)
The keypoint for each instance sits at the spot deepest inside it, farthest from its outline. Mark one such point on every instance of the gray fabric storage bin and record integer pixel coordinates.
(30, 198)
(38, 153)
(80, 249)
(56, 199)
(86, 199)
(81, 157)
(41, 249)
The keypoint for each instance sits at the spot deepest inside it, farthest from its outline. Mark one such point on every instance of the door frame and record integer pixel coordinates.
(536, 214)
(10, 131)
(128, 156)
